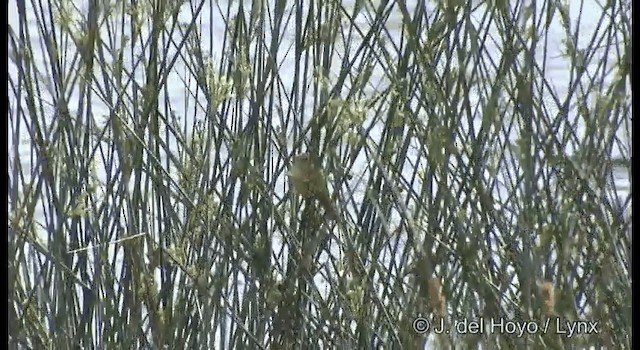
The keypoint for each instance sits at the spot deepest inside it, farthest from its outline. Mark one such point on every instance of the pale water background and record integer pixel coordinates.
(183, 104)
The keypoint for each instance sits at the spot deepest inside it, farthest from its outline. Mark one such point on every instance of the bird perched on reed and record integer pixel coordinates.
(308, 180)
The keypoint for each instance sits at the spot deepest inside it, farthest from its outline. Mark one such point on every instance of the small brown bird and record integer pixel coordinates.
(308, 180)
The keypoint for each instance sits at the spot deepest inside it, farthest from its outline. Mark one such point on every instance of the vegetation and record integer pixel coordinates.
(471, 149)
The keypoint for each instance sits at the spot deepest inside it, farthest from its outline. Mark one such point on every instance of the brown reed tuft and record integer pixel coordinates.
(548, 298)
(436, 297)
